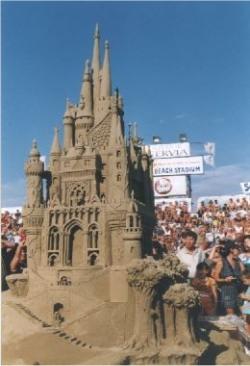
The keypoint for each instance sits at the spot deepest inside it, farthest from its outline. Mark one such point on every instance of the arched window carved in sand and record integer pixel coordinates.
(93, 249)
(53, 246)
(93, 237)
(74, 244)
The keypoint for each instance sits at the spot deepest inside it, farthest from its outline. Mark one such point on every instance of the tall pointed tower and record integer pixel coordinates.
(97, 214)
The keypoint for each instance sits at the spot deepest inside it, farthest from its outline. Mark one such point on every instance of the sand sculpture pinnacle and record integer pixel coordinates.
(55, 148)
(96, 64)
(106, 73)
(34, 149)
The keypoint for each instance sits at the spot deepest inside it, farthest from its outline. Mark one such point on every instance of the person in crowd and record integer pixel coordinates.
(227, 273)
(245, 255)
(13, 236)
(158, 248)
(19, 261)
(7, 252)
(206, 285)
(245, 309)
(190, 255)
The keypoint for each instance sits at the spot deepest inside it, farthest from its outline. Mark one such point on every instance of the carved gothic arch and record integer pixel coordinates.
(74, 242)
(93, 237)
(54, 246)
(54, 238)
(70, 224)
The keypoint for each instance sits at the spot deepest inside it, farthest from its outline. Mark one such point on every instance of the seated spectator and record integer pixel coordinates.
(207, 288)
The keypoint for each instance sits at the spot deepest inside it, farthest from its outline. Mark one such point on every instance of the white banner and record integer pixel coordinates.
(192, 165)
(170, 186)
(170, 150)
(245, 186)
(163, 202)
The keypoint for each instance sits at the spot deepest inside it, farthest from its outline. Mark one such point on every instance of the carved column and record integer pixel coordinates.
(143, 276)
(66, 249)
(181, 345)
(61, 248)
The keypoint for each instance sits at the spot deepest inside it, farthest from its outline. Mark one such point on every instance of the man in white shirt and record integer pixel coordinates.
(189, 254)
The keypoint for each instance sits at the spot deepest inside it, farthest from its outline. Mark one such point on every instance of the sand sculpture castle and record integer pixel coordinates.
(89, 231)
(96, 212)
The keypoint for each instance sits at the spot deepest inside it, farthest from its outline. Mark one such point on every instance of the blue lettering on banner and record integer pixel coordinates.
(247, 187)
(178, 170)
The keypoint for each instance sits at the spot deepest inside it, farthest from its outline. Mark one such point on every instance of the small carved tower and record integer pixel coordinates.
(132, 234)
(34, 169)
(33, 211)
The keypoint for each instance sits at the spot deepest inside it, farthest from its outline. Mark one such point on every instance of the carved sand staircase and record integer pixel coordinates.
(49, 327)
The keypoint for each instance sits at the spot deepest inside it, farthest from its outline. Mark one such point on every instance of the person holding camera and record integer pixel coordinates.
(227, 273)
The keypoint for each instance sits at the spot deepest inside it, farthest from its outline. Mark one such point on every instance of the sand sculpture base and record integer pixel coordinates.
(157, 324)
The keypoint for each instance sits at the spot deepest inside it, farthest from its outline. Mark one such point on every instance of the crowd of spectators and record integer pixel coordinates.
(214, 244)
(13, 248)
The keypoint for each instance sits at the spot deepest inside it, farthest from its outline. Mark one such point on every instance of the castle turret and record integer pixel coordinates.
(34, 169)
(132, 234)
(34, 209)
(68, 127)
(96, 67)
(55, 148)
(144, 159)
(55, 154)
(86, 100)
(106, 86)
(84, 116)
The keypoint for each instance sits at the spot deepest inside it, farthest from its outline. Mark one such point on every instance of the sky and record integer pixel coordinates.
(181, 67)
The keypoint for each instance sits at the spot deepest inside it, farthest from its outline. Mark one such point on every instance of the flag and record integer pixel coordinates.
(245, 187)
(209, 159)
(210, 148)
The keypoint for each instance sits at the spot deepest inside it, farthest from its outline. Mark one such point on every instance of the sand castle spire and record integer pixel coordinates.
(55, 148)
(106, 88)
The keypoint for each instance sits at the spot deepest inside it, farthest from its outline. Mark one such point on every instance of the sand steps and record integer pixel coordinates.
(53, 330)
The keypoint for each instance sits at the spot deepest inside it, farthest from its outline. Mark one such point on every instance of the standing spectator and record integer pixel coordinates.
(227, 274)
(245, 309)
(245, 255)
(207, 288)
(7, 252)
(189, 254)
(19, 263)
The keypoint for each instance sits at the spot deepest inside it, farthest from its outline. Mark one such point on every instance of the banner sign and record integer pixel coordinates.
(245, 186)
(163, 202)
(192, 165)
(170, 186)
(170, 150)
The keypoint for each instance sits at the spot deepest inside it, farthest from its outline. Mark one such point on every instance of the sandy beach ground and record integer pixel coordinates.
(25, 342)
